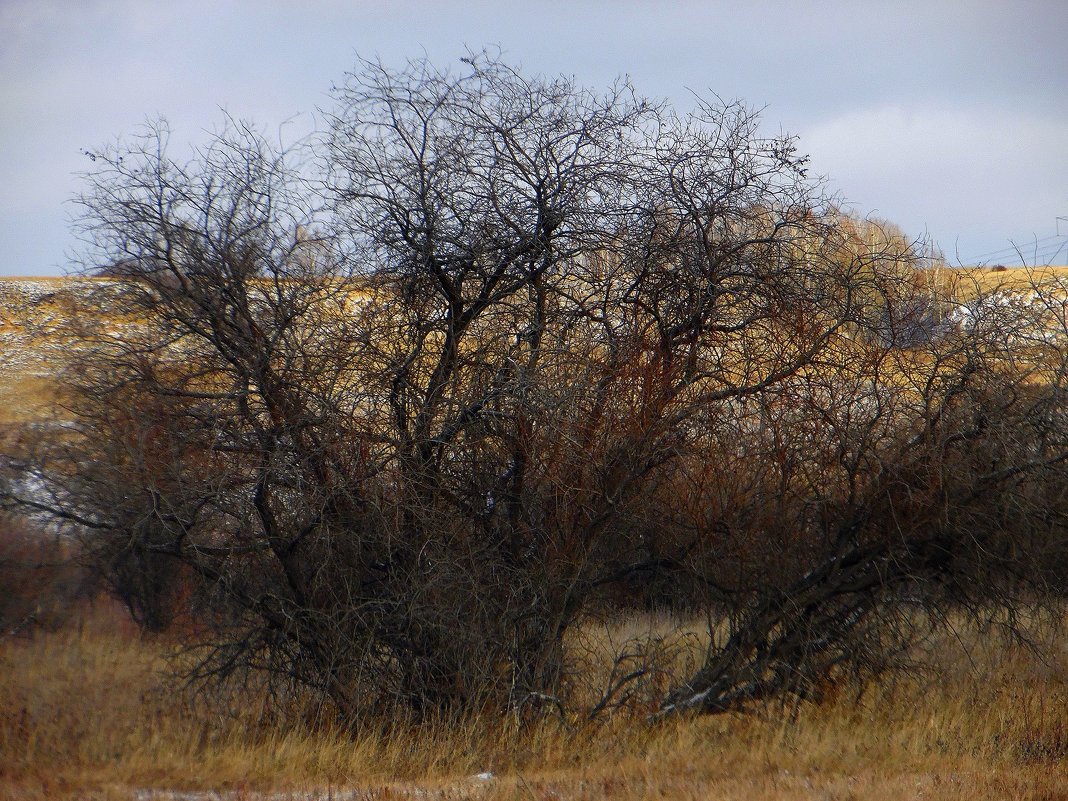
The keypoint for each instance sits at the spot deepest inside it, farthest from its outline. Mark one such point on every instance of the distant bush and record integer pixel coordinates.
(42, 580)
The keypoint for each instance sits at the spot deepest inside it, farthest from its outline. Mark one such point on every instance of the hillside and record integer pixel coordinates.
(35, 313)
(32, 342)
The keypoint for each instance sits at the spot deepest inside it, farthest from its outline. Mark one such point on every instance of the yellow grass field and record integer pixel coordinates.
(1016, 277)
(86, 713)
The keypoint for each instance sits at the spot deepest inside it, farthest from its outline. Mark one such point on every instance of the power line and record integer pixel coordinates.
(1012, 250)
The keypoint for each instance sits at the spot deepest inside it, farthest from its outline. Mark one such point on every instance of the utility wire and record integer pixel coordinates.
(1012, 250)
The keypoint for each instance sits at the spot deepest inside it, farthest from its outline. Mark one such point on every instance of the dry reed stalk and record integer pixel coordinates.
(87, 712)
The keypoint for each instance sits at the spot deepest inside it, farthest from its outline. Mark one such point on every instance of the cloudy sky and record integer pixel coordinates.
(948, 117)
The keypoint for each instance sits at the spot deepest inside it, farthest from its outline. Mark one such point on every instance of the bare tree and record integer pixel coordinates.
(906, 485)
(513, 349)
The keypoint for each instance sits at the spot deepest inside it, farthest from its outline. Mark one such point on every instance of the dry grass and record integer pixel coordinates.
(967, 282)
(86, 713)
(26, 398)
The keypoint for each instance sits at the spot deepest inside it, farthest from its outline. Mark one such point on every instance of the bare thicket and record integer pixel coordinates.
(501, 356)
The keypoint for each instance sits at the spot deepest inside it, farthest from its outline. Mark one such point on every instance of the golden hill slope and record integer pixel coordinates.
(35, 335)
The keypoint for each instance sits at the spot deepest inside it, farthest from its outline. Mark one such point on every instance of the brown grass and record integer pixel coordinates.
(26, 398)
(967, 282)
(87, 713)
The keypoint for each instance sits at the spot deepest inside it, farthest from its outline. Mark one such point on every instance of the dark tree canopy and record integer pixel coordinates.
(500, 355)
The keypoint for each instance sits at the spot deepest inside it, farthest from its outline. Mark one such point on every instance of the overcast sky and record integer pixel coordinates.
(949, 118)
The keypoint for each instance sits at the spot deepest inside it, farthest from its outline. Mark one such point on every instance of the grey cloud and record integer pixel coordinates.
(981, 78)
